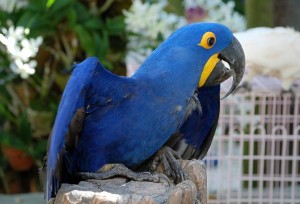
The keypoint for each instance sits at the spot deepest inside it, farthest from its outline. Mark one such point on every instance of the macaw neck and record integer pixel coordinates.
(176, 69)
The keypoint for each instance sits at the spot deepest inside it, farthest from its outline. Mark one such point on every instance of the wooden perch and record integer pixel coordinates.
(119, 190)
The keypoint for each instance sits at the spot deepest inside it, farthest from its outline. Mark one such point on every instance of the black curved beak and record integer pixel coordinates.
(235, 57)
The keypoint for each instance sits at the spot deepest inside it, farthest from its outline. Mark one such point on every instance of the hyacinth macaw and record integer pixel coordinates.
(104, 118)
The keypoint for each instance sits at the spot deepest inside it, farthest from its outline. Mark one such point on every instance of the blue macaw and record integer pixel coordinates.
(104, 118)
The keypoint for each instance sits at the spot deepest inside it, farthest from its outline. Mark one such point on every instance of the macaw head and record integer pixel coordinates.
(193, 56)
(215, 43)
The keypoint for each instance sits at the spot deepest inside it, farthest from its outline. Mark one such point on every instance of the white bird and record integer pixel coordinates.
(271, 52)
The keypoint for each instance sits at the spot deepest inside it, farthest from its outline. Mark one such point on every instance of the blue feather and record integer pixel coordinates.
(198, 124)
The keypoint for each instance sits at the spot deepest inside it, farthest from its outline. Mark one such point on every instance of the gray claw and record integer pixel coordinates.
(169, 159)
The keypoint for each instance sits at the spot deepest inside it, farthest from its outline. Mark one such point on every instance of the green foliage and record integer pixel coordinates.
(72, 30)
(54, 19)
(19, 136)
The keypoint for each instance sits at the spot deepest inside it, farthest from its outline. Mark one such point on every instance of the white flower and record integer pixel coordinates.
(218, 11)
(21, 50)
(10, 5)
(23, 69)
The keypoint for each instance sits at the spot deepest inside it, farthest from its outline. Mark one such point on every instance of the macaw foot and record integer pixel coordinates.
(169, 159)
(113, 170)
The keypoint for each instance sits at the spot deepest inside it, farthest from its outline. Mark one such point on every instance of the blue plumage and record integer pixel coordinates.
(194, 137)
(197, 126)
(104, 118)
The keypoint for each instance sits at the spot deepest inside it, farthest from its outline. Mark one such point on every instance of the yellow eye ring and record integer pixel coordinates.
(208, 40)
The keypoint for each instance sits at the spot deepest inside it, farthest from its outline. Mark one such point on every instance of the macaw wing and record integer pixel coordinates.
(90, 87)
(194, 137)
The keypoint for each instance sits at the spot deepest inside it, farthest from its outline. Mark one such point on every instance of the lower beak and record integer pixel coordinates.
(235, 57)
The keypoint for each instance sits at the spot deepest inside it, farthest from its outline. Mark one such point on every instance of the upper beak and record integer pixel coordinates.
(235, 57)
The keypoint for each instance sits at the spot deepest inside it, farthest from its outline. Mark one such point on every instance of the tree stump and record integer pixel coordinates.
(119, 190)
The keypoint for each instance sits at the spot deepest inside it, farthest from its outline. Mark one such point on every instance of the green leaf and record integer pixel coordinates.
(103, 45)
(3, 18)
(94, 24)
(27, 19)
(40, 148)
(5, 138)
(107, 64)
(60, 5)
(83, 14)
(115, 26)
(71, 16)
(50, 3)
(24, 128)
(4, 112)
(11, 140)
(86, 39)
(37, 5)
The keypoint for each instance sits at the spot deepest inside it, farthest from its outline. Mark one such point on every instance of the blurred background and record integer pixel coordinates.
(255, 156)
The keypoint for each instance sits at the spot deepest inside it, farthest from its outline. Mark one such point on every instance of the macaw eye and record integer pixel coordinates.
(208, 40)
(211, 41)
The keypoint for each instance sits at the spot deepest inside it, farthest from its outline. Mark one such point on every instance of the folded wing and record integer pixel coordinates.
(194, 138)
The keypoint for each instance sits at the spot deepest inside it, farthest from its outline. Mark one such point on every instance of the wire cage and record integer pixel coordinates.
(255, 154)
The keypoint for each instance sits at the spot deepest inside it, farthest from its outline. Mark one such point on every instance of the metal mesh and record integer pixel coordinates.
(255, 155)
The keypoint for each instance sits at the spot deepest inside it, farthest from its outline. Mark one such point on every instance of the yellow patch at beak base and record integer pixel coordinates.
(209, 66)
